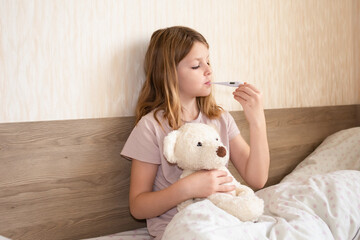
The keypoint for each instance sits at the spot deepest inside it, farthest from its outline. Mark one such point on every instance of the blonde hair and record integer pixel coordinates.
(160, 91)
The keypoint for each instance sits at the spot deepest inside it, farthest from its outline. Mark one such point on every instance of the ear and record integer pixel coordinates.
(169, 146)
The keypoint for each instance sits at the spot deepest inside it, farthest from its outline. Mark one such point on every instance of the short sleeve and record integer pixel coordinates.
(142, 143)
(233, 129)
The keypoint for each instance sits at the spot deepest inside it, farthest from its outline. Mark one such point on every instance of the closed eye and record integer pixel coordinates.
(195, 67)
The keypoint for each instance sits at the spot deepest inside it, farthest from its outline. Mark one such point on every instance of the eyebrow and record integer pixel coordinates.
(201, 58)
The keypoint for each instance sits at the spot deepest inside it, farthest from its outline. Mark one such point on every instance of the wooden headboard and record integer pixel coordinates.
(67, 180)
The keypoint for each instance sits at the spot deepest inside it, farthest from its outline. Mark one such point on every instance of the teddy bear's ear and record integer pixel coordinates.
(169, 146)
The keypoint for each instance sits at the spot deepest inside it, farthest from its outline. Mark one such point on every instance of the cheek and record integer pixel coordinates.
(187, 81)
(190, 79)
(192, 83)
(185, 75)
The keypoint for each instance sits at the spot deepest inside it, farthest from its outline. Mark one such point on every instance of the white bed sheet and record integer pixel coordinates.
(4, 238)
(137, 234)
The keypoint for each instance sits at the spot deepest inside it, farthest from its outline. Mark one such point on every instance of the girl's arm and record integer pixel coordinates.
(144, 203)
(251, 162)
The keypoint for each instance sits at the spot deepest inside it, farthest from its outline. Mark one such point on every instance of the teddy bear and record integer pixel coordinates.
(197, 146)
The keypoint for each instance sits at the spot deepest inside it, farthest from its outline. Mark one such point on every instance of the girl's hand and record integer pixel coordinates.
(206, 182)
(250, 99)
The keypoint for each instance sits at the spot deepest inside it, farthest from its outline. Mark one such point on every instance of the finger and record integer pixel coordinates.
(248, 90)
(218, 173)
(252, 87)
(242, 95)
(226, 179)
(226, 188)
(221, 173)
(240, 100)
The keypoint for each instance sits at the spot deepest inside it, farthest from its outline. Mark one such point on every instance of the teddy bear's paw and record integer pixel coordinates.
(249, 209)
(244, 208)
(218, 198)
(243, 191)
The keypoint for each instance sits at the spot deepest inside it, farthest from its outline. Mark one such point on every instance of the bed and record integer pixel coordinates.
(67, 180)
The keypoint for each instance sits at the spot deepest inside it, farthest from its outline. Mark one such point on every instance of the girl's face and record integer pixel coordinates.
(194, 73)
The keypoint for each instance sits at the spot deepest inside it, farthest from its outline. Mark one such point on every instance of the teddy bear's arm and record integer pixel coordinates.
(240, 189)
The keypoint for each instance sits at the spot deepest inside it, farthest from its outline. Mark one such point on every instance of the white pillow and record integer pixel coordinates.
(339, 151)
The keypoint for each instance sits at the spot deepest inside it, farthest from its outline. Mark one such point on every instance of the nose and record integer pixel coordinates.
(208, 70)
(221, 151)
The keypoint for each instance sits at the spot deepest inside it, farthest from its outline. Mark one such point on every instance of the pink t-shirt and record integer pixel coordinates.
(145, 143)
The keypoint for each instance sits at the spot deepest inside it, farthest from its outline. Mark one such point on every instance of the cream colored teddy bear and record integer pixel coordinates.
(197, 146)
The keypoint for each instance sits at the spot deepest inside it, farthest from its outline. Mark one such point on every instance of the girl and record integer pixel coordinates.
(177, 90)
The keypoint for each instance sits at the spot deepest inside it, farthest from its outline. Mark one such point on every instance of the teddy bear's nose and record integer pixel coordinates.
(221, 151)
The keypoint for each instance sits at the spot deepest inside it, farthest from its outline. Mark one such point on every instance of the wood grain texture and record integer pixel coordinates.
(64, 179)
(67, 180)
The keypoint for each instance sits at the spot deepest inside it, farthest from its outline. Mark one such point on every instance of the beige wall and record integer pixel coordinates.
(83, 59)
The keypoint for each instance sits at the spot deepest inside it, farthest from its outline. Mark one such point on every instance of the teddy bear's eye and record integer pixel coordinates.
(216, 139)
(199, 144)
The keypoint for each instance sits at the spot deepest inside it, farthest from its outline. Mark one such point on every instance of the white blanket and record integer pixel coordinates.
(320, 199)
